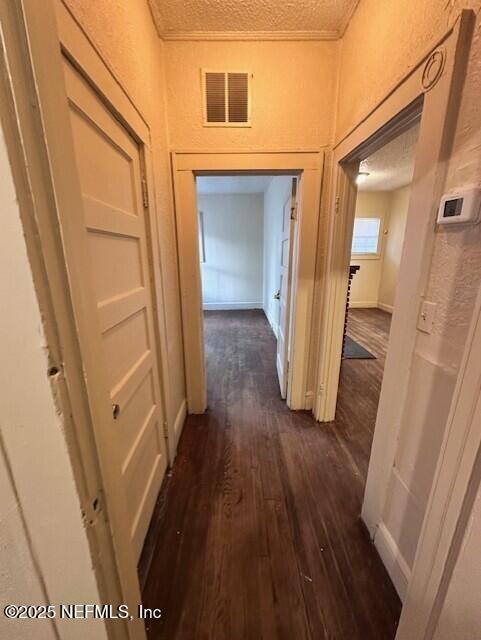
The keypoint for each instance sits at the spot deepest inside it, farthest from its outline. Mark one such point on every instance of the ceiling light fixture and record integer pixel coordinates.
(362, 177)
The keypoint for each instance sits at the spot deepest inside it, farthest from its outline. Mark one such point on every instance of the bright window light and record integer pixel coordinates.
(365, 239)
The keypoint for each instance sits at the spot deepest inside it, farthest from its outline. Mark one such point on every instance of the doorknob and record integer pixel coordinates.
(277, 296)
(115, 411)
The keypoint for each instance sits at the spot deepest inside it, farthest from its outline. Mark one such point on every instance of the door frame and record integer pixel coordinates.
(433, 89)
(308, 166)
(456, 484)
(38, 35)
(82, 54)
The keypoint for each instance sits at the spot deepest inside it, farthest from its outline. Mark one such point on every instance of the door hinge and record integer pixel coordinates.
(337, 203)
(145, 194)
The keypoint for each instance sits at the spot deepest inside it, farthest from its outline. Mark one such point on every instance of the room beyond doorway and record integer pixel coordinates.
(307, 167)
(247, 240)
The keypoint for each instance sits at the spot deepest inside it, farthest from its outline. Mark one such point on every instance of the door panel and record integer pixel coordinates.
(108, 162)
(288, 224)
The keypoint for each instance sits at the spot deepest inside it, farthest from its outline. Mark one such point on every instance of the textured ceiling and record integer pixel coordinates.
(328, 17)
(232, 184)
(392, 166)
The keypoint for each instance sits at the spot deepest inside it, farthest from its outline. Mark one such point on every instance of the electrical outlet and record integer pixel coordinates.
(427, 314)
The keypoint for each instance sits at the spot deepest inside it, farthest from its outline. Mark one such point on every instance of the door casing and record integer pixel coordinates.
(308, 166)
(436, 95)
(62, 245)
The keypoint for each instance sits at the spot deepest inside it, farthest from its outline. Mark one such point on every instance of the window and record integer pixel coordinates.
(365, 239)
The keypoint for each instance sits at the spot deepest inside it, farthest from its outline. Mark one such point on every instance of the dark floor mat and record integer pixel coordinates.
(353, 350)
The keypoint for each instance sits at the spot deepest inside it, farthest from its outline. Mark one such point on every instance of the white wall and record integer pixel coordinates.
(42, 534)
(396, 226)
(277, 192)
(232, 274)
(365, 284)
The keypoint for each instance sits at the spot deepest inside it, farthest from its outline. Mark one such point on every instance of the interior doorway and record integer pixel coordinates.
(307, 168)
(384, 182)
(247, 228)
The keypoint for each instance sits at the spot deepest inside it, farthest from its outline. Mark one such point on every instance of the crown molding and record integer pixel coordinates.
(247, 36)
(347, 19)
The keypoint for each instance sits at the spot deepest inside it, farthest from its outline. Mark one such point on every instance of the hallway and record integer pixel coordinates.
(257, 531)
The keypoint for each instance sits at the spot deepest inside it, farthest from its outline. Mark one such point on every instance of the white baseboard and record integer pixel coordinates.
(362, 305)
(394, 562)
(178, 426)
(271, 322)
(231, 306)
(371, 305)
(309, 400)
(385, 307)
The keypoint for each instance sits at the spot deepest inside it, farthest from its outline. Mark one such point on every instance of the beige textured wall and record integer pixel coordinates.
(293, 93)
(365, 284)
(383, 41)
(393, 247)
(124, 34)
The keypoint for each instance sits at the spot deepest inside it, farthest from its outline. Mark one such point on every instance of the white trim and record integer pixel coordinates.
(228, 306)
(309, 402)
(308, 166)
(455, 486)
(246, 36)
(385, 307)
(179, 426)
(272, 323)
(393, 560)
(363, 305)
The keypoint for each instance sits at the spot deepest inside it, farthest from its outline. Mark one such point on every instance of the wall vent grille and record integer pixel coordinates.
(227, 99)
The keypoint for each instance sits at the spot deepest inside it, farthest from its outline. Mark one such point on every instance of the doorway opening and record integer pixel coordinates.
(247, 228)
(384, 180)
(307, 167)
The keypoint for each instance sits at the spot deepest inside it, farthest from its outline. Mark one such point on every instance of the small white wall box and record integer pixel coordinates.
(461, 207)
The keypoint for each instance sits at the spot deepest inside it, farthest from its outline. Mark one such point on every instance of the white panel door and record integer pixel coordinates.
(108, 163)
(288, 224)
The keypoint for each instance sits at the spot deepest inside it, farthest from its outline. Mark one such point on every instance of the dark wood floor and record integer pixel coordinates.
(257, 533)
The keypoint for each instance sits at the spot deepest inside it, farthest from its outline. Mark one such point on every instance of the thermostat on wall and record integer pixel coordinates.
(463, 206)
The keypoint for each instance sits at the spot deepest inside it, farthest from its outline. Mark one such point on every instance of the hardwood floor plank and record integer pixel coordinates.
(257, 534)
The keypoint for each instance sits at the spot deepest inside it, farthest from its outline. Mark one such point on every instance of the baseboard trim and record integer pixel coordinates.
(270, 321)
(371, 305)
(309, 400)
(231, 306)
(363, 305)
(393, 560)
(178, 427)
(386, 307)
